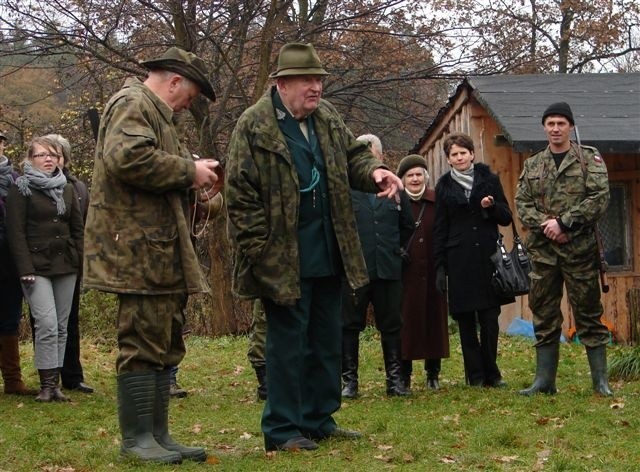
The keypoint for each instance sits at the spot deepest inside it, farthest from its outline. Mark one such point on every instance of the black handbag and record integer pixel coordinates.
(511, 268)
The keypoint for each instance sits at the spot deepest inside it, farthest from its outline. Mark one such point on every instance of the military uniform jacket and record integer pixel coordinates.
(383, 227)
(137, 237)
(41, 241)
(263, 200)
(577, 197)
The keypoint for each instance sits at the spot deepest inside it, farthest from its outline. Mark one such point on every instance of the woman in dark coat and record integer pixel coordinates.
(425, 332)
(470, 204)
(44, 230)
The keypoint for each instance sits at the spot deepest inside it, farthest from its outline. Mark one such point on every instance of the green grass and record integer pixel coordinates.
(458, 428)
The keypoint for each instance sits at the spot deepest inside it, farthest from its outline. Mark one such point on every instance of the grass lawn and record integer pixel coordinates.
(458, 428)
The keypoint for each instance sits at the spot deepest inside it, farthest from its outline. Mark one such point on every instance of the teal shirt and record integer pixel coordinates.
(318, 247)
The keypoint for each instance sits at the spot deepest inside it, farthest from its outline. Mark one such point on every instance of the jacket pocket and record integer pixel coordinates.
(162, 267)
(40, 256)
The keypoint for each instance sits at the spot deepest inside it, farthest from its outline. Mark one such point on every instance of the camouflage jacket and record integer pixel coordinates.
(262, 194)
(137, 237)
(577, 197)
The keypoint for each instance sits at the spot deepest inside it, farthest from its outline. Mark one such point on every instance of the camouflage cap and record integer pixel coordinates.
(186, 64)
(298, 59)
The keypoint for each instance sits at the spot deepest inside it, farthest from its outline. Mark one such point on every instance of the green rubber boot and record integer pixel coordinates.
(136, 399)
(547, 357)
(161, 421)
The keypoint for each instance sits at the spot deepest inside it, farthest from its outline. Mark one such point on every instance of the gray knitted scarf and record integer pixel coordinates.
(49, 184)
(464, 178)
(6, 176)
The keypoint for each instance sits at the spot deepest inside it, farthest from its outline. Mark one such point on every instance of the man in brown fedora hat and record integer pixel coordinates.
(138, 245)
(292, 162)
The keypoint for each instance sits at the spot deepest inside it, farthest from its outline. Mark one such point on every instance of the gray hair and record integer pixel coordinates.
(374, 141)
(64, 145)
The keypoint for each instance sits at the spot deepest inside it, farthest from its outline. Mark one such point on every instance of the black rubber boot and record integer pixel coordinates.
(547, 357)
(161, 421)
(261, 376)
(393, 366)
(136, 403)
(350, 347)
(598, 363)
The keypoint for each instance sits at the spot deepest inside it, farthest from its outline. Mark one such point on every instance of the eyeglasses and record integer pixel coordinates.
(44, 155)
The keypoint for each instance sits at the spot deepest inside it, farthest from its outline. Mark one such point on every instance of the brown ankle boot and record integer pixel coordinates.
(10, 366)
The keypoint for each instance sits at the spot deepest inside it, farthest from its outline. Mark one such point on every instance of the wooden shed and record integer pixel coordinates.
(503, 115)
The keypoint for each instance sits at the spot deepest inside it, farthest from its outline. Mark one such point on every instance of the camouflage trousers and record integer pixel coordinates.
(582, 283)
(150, 332)
(257, 336)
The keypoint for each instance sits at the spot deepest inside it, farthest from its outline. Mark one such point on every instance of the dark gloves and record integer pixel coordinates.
(441, 280)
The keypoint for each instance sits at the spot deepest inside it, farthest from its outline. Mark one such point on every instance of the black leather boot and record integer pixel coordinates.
(432, 368)
(261, 375)
(598, 364)
(407, 370)
(161, 421)
(350, 347)
(393, 366)
(547, 357)
(48, 383)
(136, 405)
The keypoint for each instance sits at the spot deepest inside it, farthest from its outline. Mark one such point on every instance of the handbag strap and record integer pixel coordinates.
(417, 225)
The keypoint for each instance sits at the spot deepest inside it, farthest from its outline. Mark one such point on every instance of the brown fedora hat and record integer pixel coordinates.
(298, 59)
(187, 64)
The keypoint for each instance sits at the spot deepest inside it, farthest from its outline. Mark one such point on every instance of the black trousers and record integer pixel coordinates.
(480, 355)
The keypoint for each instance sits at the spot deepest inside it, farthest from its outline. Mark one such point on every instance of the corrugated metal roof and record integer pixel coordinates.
(606, 107)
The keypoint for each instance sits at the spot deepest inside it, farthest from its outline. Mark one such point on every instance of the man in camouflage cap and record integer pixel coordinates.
(291, 163)
(562, 192)
(138, 245)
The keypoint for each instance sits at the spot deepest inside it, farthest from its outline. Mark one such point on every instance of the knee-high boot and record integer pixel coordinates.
(161, 421)
(547, 357)
(393, 366)
(598, 364)
(350, 347)
(136, 405)
(10, 366)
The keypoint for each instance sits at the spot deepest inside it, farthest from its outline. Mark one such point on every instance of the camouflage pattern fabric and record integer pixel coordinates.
(263, 200)
(257, 336)
(579, 200)
(137, 236)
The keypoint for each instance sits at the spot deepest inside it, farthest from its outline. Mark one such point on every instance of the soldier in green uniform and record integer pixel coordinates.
(291, 164)
(562, 192)
(138, 245)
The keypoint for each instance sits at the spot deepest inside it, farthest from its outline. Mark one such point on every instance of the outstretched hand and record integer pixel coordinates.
(388, 182)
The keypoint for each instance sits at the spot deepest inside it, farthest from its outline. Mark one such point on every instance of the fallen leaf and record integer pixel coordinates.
(213, 460)
(384, 447)
(245, 436)
(196, 428)
(616, 405)
(382, 458)
(447, 460)
(507, 459)
(102, 432)
(408, 458)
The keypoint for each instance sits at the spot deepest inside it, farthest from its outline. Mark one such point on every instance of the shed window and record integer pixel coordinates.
(615, 226)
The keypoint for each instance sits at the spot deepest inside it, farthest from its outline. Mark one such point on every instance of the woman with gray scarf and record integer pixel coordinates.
(470, 204)
(45, 234)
